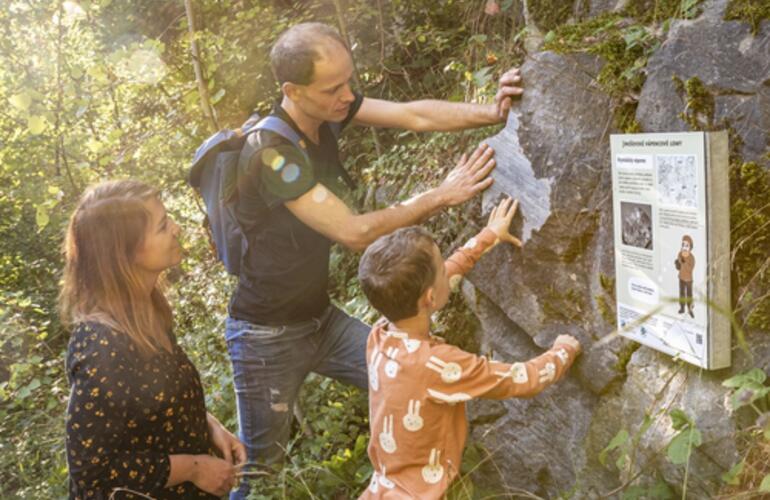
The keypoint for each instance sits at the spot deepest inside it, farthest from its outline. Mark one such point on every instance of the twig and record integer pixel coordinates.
(356, 80)
(196, 62)
(59, 36)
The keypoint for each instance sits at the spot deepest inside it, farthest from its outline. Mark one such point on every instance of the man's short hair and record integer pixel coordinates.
(294, 54)
(396, 270)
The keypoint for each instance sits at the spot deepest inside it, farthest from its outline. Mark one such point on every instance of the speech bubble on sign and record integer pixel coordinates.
(644, 290)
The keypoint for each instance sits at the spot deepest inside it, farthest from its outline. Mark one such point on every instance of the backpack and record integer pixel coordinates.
(214, 175)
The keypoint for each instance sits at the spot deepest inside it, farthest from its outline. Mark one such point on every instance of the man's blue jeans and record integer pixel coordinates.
(271, 362)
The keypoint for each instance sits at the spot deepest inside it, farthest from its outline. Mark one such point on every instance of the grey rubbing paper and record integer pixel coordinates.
(671, 227)
(518, 180)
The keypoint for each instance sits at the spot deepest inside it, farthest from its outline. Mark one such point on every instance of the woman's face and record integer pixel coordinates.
(160, 248)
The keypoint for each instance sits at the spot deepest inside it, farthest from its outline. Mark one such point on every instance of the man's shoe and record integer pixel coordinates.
(691, 313)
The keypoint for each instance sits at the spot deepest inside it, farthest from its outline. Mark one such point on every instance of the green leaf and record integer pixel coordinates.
(731, 477)
(218, 96)
(620, 439)
(659, 491)
(646, 423)
(549, 37)
(680, 448)
(679, 419)
(41, 217)
(36, 124)
(21, 101)
(94, 146)
(764, 487)
(754, 375)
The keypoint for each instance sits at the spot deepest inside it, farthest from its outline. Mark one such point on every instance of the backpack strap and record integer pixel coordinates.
(280, 127)
(336, 128)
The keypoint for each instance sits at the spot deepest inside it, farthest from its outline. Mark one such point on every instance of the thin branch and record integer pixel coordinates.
(344, 31)
(59, 35)
(196, 62)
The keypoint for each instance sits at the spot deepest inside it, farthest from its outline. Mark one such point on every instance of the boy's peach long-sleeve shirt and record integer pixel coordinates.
(417, 393)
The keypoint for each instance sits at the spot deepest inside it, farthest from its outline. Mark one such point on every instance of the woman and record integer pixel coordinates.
(136, 420)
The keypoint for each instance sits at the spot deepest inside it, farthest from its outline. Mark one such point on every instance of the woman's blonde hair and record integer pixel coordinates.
(100, 281)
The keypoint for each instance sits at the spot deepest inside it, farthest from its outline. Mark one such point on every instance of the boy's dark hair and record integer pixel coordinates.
(294, 54)
(396, 270)
(687, 238)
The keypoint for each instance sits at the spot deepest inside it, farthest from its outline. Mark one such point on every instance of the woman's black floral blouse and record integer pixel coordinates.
(127, 414)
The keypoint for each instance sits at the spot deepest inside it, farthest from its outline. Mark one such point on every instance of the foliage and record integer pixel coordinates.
(549, 14)
(328, 458)
(747, 391)
(655, 11)
(687, 438)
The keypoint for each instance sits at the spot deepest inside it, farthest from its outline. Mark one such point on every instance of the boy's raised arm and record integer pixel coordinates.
(460, 376)
(493, 233)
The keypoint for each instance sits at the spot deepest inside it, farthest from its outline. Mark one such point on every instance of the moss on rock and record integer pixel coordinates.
(750, 226)
(625, 46)
(605, 301)
(698, 112)
(749, 11)
(624, 356)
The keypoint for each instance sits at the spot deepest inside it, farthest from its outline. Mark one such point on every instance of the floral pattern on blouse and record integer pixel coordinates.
(127, 414)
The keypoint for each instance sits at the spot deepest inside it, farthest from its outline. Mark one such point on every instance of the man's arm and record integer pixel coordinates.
(324, 212)
(434, 115)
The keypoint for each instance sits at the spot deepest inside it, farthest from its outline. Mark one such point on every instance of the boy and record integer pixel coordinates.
(418, 385)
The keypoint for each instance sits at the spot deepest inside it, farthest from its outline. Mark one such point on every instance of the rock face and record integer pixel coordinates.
(553, 156)
(732, 64)
(537, 443)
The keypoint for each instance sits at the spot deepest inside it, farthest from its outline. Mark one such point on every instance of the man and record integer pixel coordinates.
(685, 263)
(281, 325)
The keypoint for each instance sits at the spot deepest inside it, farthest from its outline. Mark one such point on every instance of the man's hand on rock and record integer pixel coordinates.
(508, 89)
(500, 221)
(469, 177)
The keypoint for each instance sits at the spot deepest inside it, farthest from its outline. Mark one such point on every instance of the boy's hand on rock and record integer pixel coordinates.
(568, 340)
(469, 177)
(500, 221)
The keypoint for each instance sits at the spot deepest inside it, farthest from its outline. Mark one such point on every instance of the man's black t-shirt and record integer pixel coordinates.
(285, 272)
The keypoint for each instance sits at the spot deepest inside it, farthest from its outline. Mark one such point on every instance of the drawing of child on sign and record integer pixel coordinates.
(685, 263)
